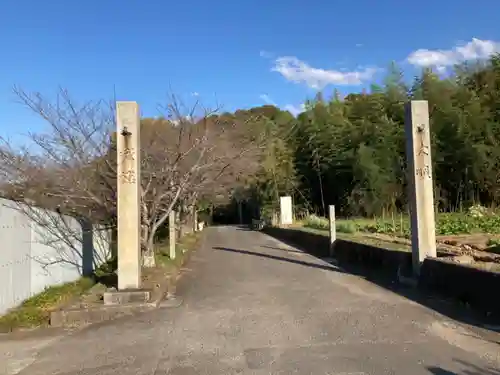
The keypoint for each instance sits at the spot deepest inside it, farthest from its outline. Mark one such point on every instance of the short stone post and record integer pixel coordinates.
(128, 189)
(333, 230)
(195, 218)
(421, 194)
(172, 232)
(286, 212)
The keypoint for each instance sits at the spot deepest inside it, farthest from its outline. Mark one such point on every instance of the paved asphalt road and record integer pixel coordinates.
(253, 305)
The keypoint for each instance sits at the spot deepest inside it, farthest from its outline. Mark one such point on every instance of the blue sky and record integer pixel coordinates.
(240, 54)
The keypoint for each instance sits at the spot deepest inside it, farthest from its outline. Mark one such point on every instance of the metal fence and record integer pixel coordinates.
(40, 248)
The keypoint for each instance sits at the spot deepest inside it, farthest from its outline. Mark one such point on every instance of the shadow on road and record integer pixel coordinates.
(281, 249)
(469, 369)
(283, 259)
(388, 280)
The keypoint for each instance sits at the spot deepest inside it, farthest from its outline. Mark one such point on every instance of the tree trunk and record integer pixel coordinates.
(148, 256)
(147, 239)
(320, 180)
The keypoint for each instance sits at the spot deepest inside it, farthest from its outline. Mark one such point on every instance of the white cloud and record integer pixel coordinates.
(295, 110)
(298, 71)
(195, 93)
(267, 99)
(440, 59)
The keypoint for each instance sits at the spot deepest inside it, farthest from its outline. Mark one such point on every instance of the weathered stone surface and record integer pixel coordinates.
(286, 210)
(128, 190)
(126, 296)
(172, 234)
(421, 193)
(332, 227)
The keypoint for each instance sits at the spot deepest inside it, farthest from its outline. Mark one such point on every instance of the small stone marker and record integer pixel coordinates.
(286, 214)
(128, 189)
(421, 193)
(195, 218)
(172, 233)
(333, 230)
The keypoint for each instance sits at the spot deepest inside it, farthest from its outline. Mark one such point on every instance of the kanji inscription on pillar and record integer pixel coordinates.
(128, 177)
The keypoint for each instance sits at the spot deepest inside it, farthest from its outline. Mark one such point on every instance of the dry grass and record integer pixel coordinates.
(35, 311)
(187, 243)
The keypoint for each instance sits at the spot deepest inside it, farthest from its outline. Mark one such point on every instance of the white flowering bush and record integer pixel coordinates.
(478, 211)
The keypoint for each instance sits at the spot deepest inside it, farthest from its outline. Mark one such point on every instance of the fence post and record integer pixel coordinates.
(333, 229)
(172, 233)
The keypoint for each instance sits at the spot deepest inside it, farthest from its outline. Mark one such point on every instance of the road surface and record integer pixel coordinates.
(253, 305)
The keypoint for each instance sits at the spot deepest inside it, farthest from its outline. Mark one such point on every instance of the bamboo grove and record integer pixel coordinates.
(351, 151)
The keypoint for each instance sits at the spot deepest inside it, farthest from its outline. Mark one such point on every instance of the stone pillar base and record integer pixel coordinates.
(121, 297)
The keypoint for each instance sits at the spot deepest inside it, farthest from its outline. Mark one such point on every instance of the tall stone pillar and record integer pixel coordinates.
(421, 193)
(129, 179)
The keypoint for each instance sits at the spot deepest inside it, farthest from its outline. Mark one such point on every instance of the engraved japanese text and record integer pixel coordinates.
(128, 177)
(128, 153)
(424, 172)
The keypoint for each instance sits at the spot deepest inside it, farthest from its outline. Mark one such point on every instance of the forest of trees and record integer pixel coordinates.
(351, 151)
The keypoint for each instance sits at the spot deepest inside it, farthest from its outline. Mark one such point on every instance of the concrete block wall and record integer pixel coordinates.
(43, 249)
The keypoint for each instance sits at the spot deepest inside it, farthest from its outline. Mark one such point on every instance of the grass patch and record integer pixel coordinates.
(346, 227)
(321, 223)
(316, 222)
(359, 238)
(106, 274)
(35, 311)
(187, 243)
(399, 225)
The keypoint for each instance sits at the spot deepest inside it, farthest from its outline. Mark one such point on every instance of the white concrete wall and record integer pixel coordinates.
(39, 248)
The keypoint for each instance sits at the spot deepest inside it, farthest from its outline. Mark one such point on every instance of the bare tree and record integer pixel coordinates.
(189, 154)
(186, 154)
(64, 170)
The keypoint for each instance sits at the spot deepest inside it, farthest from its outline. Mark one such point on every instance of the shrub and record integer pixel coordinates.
(346, 227)
(316, 222)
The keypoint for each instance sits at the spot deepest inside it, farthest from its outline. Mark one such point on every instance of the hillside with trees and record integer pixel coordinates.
(351, 151)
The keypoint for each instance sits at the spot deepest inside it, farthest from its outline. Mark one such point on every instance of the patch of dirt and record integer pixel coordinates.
(458, 247)
(156, 280)
(478, 241)
(153, 277)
